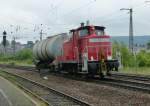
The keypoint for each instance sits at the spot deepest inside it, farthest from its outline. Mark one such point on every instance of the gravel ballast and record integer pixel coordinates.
(96, 94)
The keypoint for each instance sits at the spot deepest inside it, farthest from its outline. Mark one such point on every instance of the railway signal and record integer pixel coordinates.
(4, 40)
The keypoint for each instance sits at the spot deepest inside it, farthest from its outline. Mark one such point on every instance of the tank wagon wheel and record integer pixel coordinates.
(108, 73)
(37, 68)
(89, 76)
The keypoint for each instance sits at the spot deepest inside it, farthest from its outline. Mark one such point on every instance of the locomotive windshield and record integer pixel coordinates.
(89, 30)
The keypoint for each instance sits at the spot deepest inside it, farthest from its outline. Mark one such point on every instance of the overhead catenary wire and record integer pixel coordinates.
(78, 8)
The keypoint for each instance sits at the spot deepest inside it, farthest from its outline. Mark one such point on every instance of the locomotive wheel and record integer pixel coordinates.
(39, 70)
(101, 76)
(108, 74)
(116, 68)
(90, 76)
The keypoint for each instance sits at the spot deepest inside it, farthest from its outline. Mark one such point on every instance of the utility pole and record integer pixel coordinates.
(13, 39)
(131, 44)
(41, 33)
(14, 44)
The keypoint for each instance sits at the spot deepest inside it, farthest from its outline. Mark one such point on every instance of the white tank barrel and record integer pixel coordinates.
(48, 49)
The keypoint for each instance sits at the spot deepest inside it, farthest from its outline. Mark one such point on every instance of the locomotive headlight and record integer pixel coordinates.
(109, 57)
(92, 58)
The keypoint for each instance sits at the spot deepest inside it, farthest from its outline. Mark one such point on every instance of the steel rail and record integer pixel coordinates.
(28, 68)
(49, 95)
(132, 76)
(127, 84)
(117, 75)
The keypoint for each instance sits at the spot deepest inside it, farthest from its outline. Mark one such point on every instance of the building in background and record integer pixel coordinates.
(14, 46)
(29, 44)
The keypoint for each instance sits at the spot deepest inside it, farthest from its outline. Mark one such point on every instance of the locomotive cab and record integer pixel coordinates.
(94, 44)
(89, 51)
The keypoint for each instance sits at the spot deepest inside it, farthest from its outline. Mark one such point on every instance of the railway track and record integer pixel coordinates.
(128, 81)
(117, 75)
(50, 96)
(131, 84)
(127, 84)
(131, 76)
(27, 68)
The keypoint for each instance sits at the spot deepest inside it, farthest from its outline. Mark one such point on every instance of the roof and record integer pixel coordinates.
(96, 27)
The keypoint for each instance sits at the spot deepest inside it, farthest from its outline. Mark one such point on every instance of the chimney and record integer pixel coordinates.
(82, 24)
(87, 22)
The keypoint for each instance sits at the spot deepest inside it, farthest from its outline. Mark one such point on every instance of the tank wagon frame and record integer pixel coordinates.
(87, 50)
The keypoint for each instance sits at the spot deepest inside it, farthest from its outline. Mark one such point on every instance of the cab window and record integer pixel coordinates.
(99, 32)
(83, 32)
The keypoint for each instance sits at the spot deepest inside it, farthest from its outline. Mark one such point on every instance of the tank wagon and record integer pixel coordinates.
(85, 50)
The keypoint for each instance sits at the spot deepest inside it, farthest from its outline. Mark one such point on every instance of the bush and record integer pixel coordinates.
(23, 56)
(127, 59)
(142, 59)
(6, 57)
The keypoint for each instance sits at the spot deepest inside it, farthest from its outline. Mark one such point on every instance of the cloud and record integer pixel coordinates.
(62, 15)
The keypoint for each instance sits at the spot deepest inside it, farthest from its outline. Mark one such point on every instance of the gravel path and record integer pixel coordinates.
(96, 94)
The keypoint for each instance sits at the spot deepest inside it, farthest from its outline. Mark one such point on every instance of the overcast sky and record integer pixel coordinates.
(61, 15)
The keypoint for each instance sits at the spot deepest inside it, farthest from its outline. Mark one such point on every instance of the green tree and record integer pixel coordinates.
(115, 48)
(127, 57)
(143, 58)
(148, 45)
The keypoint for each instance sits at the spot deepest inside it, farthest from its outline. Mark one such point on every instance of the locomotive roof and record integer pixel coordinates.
(96, 27)
(85, 27)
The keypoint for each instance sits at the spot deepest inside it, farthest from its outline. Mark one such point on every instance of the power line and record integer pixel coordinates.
(80, 7)
(111, 15)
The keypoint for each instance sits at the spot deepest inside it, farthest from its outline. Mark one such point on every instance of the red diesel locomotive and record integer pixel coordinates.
(86, 50)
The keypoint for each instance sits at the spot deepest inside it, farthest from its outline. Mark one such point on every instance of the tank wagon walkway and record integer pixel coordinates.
(10, 95)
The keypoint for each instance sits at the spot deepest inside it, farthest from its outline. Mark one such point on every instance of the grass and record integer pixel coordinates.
(18, 62)
(130, 70)
(136, 70)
